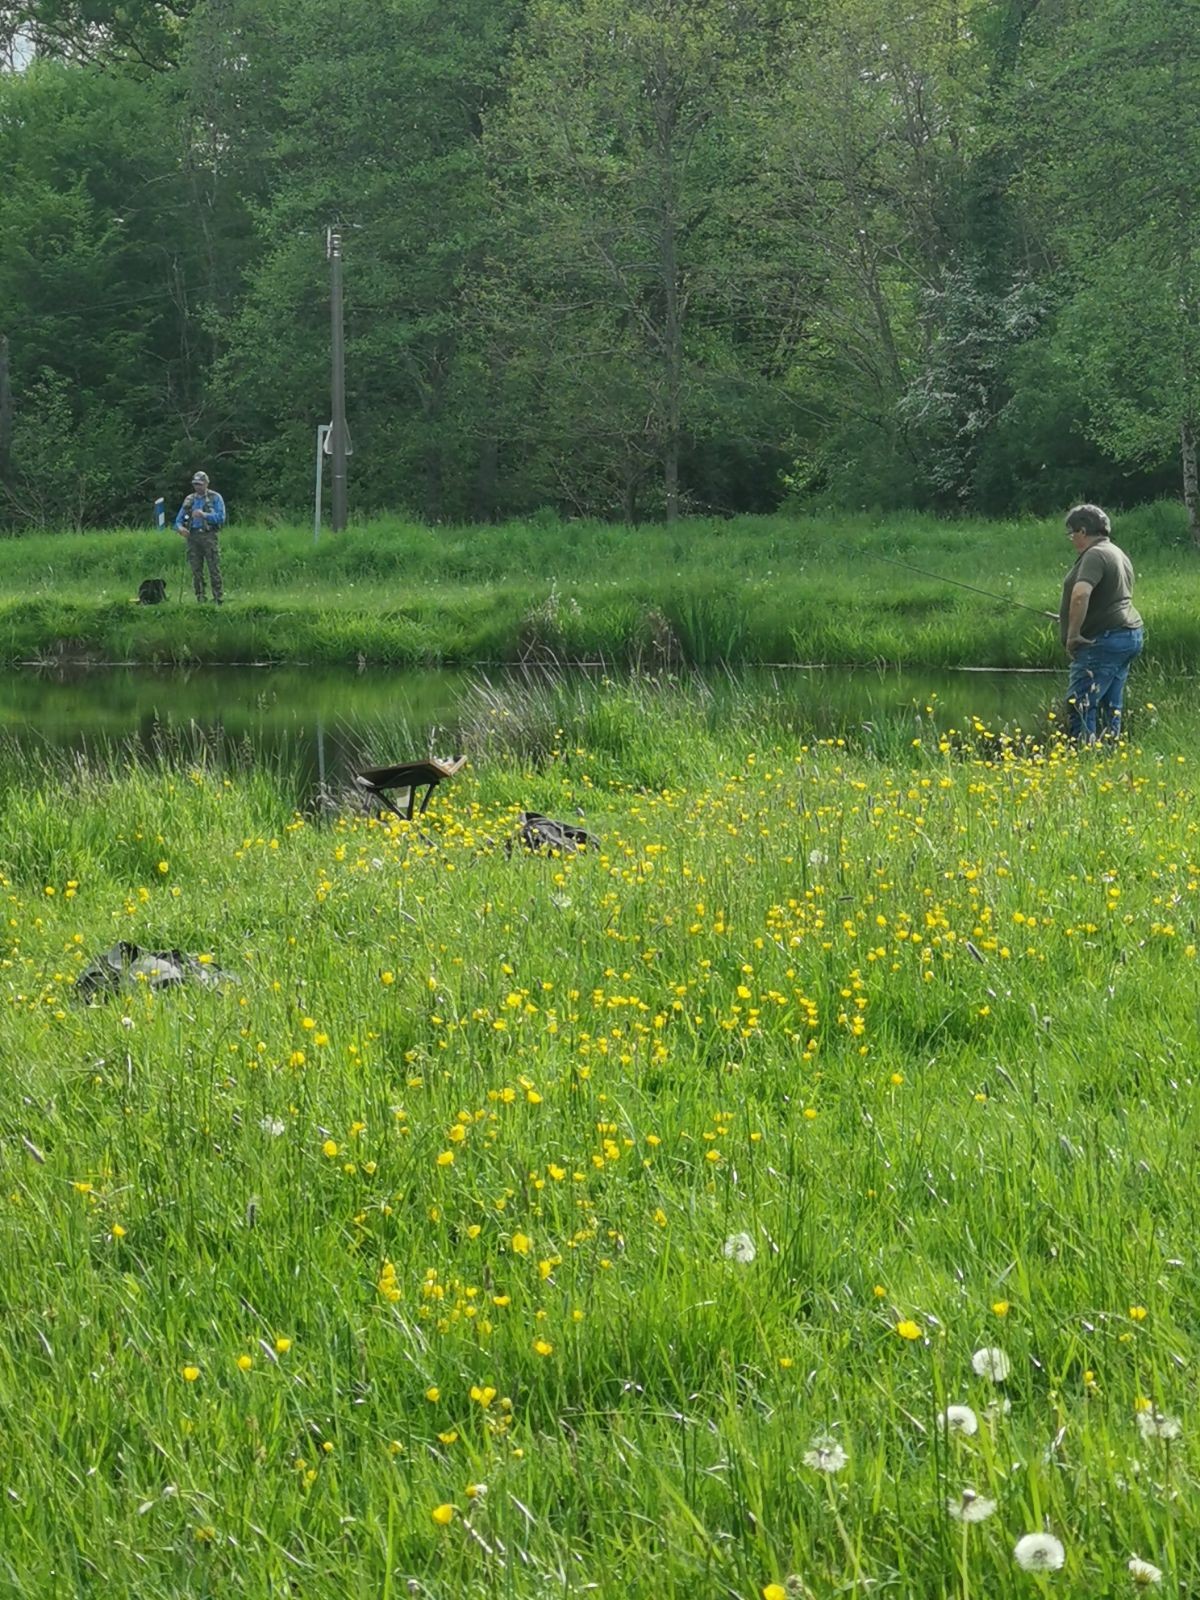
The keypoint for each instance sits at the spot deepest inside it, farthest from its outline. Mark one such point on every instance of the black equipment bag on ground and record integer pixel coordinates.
(539, 833)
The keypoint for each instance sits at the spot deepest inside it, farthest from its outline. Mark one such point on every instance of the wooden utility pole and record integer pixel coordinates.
(6, 410)
(339, 438)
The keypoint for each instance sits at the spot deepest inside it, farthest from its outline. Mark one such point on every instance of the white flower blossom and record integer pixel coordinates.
(1039, 1552)
(1144, 1573)
(970, 1507)
(825, 1455)
(272, 1125)
(1158, 1425)
(991, 1362)
(958, 1419)
(739, 1247)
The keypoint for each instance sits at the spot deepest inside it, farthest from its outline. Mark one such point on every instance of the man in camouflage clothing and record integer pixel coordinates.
(200, 520)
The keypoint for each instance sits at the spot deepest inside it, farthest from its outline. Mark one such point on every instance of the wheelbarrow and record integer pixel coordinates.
(407, 777)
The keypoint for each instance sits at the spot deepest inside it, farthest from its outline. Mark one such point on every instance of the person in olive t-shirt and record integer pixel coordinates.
(1099, 626)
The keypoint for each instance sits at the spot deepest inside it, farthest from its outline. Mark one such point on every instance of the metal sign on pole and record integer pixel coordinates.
(322, 450)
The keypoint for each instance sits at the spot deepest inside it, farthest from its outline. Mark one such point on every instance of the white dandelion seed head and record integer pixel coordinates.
(992, 1363)
(739, 1247)
(1158, 1425)
(817, 858)
(958, 1419)
(970, 1507)
(825, 1455)
(272, 1125)
(1039, 1552)
(1144, 1573)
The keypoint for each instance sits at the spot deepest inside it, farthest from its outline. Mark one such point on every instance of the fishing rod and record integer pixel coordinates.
(937, 577)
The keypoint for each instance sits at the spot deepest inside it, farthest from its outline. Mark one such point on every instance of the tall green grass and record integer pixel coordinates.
(704, 592)
(578, 1200)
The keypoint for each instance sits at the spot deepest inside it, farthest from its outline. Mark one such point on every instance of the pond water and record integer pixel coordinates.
(321, 726)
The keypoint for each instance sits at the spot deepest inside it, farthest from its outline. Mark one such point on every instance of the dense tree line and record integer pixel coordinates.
(620, 257)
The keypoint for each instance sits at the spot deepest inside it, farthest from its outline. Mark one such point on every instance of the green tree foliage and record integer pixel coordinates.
(891, 165)
(373, 124)
(141, 35)
(1117, 116)
(624, 166)
(93, 252)
(618, 257)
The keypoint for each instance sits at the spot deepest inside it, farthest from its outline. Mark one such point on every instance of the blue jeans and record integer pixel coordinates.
(1096, 684)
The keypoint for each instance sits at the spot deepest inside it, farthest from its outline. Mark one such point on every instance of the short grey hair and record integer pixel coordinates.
(1090, 520)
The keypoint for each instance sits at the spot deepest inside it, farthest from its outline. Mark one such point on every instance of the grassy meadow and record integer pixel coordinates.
(755, 589)
(796, 1196)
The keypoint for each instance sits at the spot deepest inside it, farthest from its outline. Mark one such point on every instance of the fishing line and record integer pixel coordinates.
(1004, 599)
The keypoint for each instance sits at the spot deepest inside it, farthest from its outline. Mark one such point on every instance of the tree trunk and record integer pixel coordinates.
(487, 477)
(672, 325)
(1191, 486)
(629, 496)
(6, 411)
(433, 483)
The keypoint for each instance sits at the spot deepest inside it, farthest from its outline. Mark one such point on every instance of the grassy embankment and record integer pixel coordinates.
(518, 1227)
(758, 589)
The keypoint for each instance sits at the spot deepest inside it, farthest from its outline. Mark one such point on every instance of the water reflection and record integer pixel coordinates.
(322, 725)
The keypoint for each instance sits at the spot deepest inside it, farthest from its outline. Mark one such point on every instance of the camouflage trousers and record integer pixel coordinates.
(204, 545)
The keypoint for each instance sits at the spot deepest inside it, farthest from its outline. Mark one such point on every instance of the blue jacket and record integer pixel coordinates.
(201, 512)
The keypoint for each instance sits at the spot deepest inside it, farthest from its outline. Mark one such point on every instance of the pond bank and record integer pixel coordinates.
(316, 727)
(703, 593)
